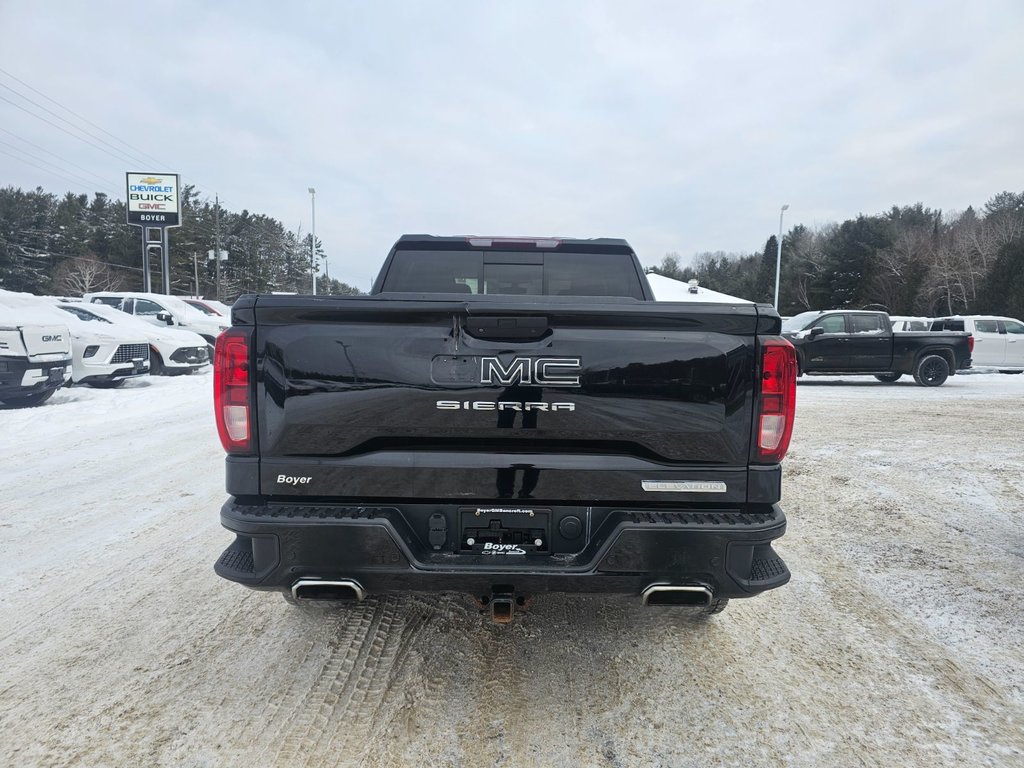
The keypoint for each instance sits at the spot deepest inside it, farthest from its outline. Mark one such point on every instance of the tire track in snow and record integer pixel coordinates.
(310, 714)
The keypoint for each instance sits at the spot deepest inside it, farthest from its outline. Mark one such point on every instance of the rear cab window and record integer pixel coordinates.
(867, 324)
(110, 301)
(513, 273)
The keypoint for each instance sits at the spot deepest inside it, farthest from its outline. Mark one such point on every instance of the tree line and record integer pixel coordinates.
(910, 260)
(75, 244)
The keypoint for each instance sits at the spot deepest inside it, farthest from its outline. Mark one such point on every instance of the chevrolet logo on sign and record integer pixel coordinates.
(150, 180)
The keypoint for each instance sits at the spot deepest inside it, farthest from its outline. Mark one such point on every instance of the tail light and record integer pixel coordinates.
(970, 344)
(231, 390)
(777, 400)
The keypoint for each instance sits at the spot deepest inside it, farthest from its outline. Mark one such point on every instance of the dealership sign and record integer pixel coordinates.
(153, 200)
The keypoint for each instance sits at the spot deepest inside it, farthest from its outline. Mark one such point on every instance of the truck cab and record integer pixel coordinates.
(842, 340)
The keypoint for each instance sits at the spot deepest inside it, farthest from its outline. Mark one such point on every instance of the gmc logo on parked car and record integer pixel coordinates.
(540, 371)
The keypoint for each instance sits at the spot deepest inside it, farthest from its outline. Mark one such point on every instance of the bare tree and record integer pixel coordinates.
(807, 264)
(945, 289)
(86, 274)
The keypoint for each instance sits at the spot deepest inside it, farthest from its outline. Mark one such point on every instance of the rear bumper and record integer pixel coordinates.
(402, 549)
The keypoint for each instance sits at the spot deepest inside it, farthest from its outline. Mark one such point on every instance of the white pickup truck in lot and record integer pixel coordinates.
(998, 341)
(35, 356)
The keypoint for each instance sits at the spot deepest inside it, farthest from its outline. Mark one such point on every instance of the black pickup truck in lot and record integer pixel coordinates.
(504, 418)
(862, 342)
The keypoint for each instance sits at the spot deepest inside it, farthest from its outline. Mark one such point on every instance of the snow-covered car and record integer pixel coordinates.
(104, 354)
(902, 323)
(210, 307)
(100, 356)
(165, 311)
(35, 353)
(998, 341)
(171, 350)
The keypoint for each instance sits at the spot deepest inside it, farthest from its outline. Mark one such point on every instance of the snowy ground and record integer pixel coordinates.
(900, 640)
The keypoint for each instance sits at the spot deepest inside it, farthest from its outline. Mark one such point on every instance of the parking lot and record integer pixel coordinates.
(899, 641)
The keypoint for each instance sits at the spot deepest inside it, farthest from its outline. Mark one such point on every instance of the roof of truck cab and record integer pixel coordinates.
(460, 242)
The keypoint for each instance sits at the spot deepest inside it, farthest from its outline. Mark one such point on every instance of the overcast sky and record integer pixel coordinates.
(681, 126)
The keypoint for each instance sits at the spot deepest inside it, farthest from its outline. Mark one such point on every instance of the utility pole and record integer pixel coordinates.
(195, 270)
(216, 236)
(312, 241)
(778, 257)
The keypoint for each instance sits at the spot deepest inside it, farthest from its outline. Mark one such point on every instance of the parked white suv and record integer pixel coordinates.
(163, 310)
(171, 350)
(104, 354)
(998, 341)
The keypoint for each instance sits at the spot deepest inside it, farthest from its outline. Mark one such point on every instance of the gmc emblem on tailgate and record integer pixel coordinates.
(541, 371)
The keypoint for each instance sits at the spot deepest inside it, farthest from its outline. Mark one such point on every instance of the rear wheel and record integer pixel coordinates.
(888, 378)
(931, 371)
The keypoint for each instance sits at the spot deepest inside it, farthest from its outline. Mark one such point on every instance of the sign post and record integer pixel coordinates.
(153, 204)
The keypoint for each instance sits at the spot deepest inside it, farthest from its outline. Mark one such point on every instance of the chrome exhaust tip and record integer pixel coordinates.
(323, 589)
(696, 595)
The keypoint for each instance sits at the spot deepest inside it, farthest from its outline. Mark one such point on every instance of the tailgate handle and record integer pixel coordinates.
(506, 327)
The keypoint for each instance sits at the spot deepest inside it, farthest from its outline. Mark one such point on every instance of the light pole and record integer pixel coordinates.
(312, 240)
(778, 258)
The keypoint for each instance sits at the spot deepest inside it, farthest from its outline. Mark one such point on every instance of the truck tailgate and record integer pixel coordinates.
(611, 400)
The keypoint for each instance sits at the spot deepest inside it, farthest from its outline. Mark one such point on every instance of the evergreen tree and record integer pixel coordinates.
(26, 239)
(849, 255)
(670, 267)
(1004, 288)
(763, 289)
(328, 286)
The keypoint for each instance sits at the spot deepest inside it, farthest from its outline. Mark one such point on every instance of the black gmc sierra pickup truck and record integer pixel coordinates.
(504, 417)
(861, 342)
